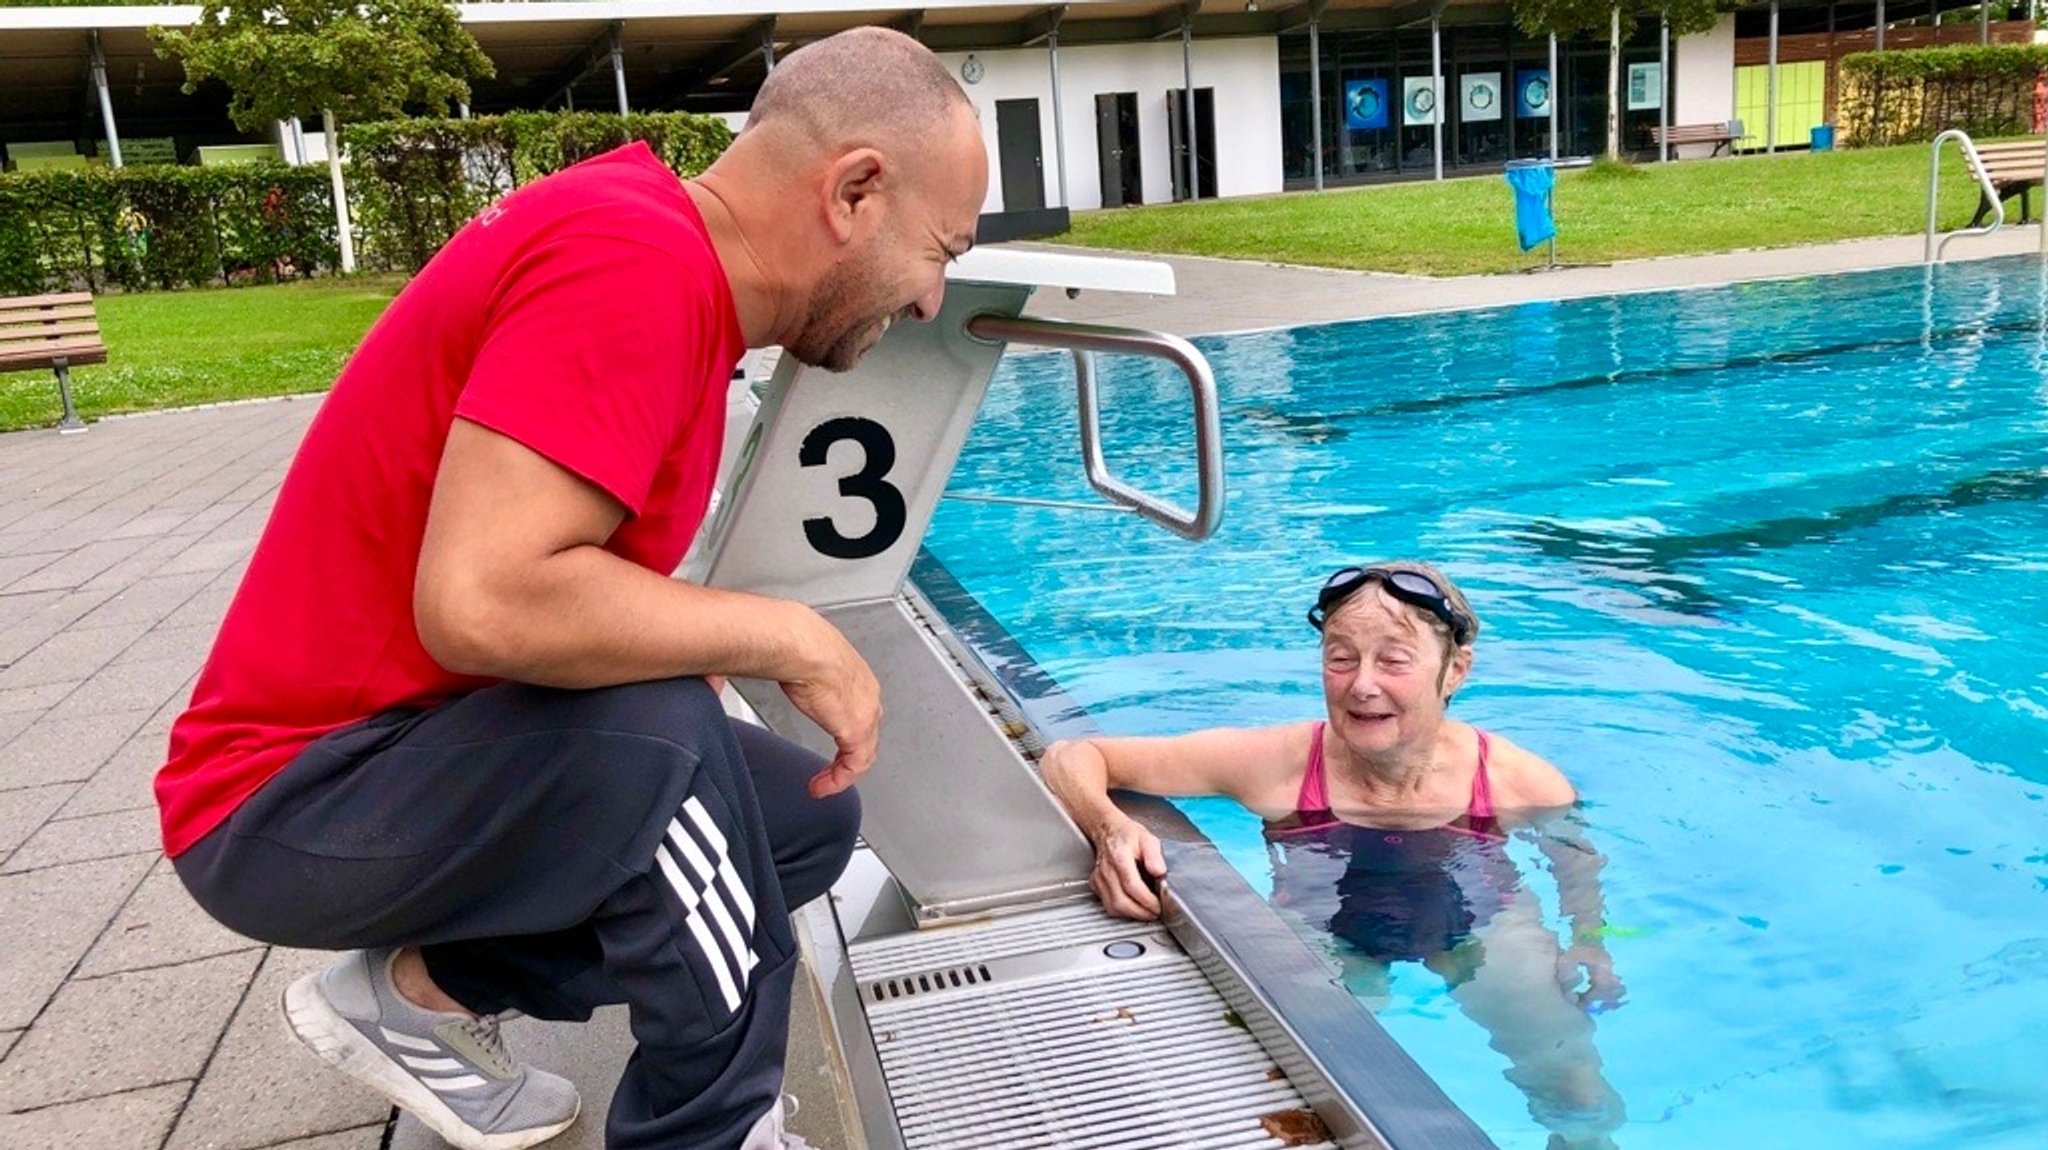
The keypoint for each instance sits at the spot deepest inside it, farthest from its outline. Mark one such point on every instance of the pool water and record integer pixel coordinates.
(1763, 568)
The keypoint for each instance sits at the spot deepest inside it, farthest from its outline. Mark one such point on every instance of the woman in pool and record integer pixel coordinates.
(1387, 825)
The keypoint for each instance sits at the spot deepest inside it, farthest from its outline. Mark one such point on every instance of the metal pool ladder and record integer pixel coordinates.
(1934, 251)
(978, 995)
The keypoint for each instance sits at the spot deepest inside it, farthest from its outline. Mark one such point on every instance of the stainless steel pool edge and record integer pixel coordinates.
(1360, 1081)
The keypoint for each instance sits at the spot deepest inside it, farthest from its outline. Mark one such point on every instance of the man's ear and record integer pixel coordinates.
(850, 183)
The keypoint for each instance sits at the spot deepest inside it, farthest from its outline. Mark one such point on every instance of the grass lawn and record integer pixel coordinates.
(1603, 214)
(171, 349)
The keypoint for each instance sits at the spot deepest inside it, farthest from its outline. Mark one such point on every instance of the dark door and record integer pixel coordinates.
(1020, 154)
(1116, 148)
(1205, 140)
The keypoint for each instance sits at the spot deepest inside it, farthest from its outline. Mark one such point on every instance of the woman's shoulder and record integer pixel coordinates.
(1271, 763)
(1521, 778)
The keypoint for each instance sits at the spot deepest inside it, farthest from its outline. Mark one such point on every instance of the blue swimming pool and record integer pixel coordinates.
(1764, 568)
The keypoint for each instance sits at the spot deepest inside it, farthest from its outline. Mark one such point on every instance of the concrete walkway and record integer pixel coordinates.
(128, 1020)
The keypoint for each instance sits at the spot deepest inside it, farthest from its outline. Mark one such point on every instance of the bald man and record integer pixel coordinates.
(456, 718)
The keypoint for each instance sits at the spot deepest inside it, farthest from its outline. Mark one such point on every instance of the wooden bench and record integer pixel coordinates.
(1719, 135)
(51, 333)
(2013, 168)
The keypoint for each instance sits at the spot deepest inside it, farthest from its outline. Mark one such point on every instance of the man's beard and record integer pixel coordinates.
(823, 341)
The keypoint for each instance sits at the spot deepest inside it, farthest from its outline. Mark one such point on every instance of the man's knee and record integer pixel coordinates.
(833, 828)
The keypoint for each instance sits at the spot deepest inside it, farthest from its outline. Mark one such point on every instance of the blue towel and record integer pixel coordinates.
(1532, 204)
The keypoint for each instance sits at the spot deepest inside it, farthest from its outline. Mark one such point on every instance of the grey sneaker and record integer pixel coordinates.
(769, 1132)
(450, 1071)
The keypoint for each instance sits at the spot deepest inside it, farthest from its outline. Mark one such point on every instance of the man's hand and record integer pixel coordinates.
(1125, 854)
(840, 694)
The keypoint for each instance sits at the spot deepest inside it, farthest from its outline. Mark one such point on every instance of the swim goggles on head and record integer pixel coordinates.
(1411, 587)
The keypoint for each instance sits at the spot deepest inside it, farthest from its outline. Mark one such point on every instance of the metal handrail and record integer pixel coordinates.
(1934, 250)
(1083, 340)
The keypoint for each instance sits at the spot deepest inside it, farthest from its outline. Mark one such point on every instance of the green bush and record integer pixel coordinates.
(162, 226)
(412, 183)
(1912, 96)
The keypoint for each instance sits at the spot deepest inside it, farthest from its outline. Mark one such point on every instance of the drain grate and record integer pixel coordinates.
(1118, 1044)
(954, 978)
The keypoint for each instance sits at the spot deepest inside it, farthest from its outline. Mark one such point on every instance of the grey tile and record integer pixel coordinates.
(13, 723)
(160, 926)
(15, 566)
(36, 699)
(126, 1031)
(212, 556)
(125, 783)
(206, 608)
(81, 565)
(209, 513)
(144, 563)
(135, 1120)
(360, 1138)
(122, 687)
(50, 918)
(22, 812)
(65, 750)
(144, 603)
(23, 629)
(17, 607)
(7, 1040)
(152, 524)
(67, 656)
(188, 643)
(262, 1087)
(63, 841)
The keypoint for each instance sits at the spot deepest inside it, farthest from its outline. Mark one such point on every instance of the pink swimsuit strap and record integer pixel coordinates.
(1315, 787)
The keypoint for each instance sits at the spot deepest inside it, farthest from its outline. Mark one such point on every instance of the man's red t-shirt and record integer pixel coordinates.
(586, 316)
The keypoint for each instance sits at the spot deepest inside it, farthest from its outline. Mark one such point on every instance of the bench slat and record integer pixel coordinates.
(59, 299)
(76, 357)
(50, 315)
(52, 346)
(26, 334)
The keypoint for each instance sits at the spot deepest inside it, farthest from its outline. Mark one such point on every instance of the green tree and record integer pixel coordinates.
(348, 60)
(1567, 18)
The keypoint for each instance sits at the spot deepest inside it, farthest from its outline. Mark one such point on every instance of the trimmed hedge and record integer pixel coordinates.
(412, 183)
(1914, 95)
(162, 227)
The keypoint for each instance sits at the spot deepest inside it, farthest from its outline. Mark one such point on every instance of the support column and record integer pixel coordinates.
(1059, 116)
(1436, 76)
(1187, 67)
(99, 83)
(768, 51)
(342, 228)
(1983, 21)
(1556, 86)
(619, 71)
(1771, 87)
(1880, 26)
(1614, 83)
(1663, 88)
(1315, 91)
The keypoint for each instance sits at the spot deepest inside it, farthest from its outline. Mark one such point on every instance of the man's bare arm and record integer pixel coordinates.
(514, 583)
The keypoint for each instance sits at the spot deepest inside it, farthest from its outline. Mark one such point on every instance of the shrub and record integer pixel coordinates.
(162, 226)
(414, 182)
(1913, 96)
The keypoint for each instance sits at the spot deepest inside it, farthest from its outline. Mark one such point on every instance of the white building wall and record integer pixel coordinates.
(1704, 70)
(1244, 73)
